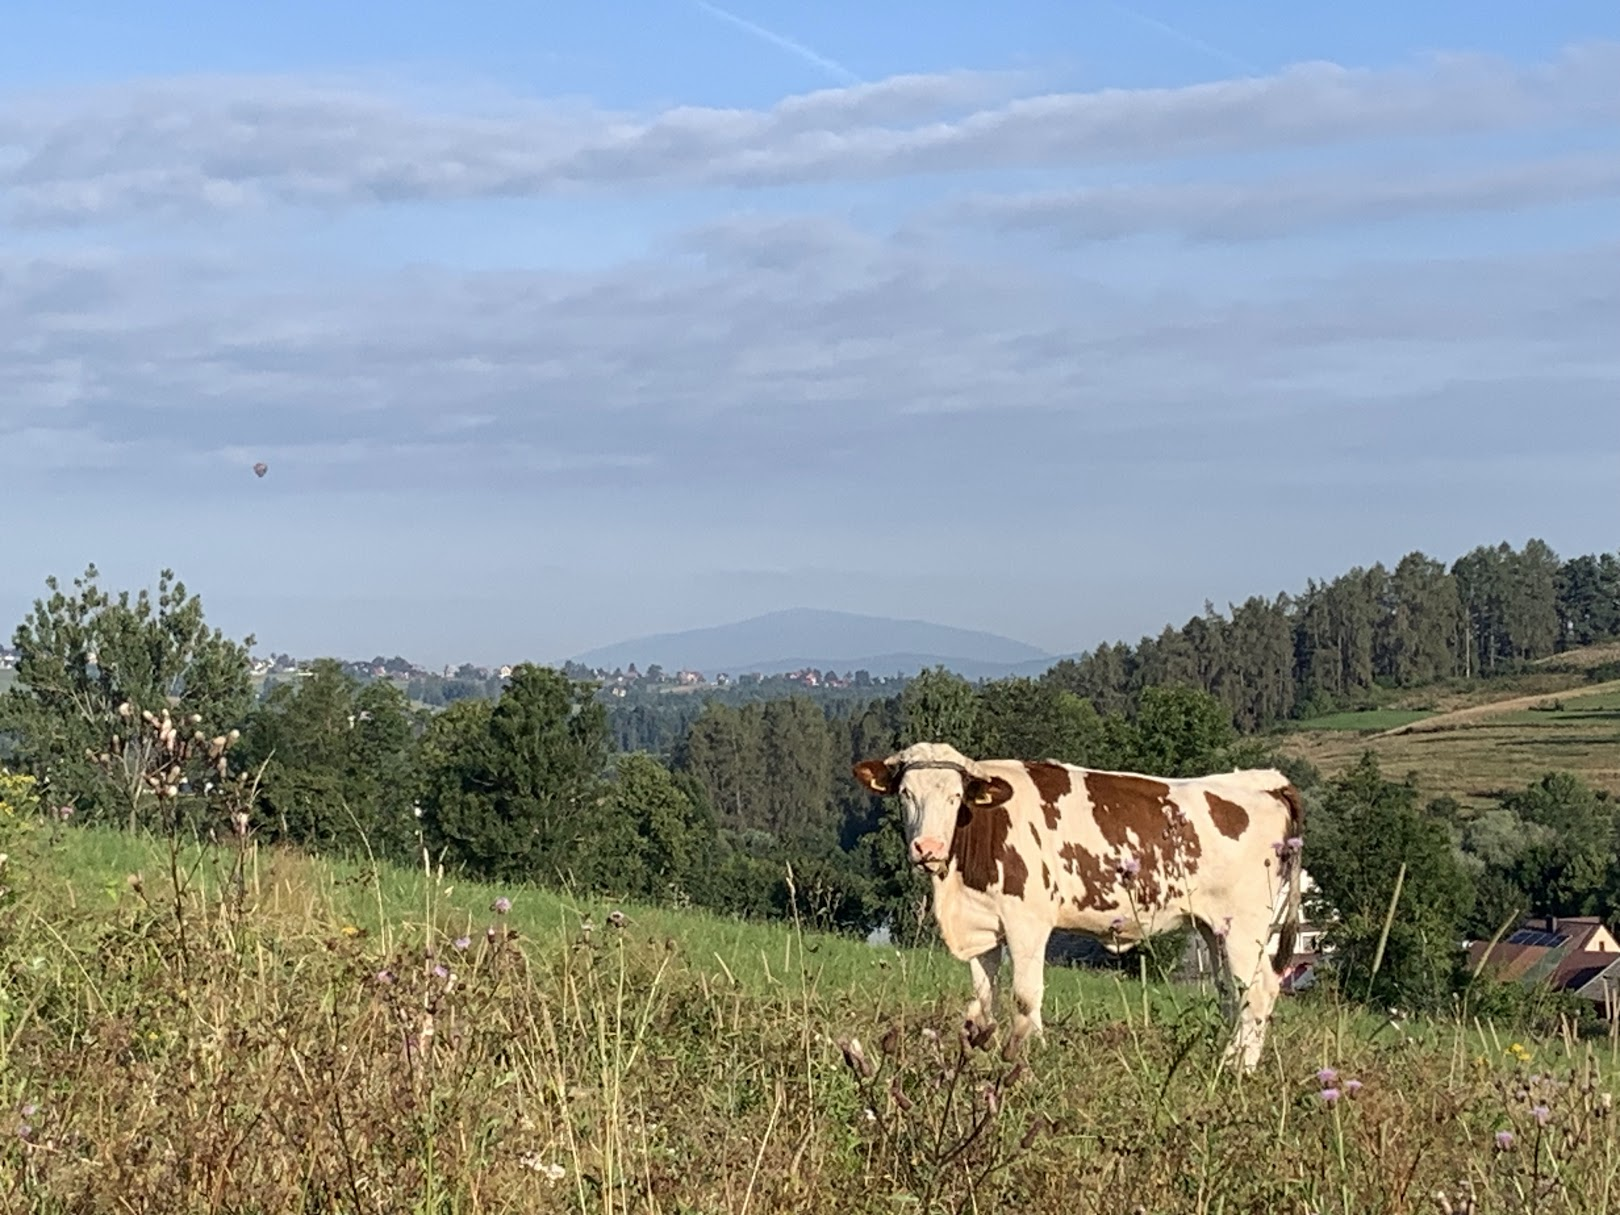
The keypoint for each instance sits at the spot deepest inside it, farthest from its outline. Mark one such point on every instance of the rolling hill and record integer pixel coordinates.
(844, 641)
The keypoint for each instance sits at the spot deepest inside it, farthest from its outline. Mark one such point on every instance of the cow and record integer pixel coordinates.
(1017, 849)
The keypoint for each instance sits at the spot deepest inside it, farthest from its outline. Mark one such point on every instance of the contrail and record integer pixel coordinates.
(1186, 39)
(831, 66)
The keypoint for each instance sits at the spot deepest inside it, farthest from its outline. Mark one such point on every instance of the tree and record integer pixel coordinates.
(512, 790)
(940, 706)
(1021, 718)
(83, 657)
(657, 839)
(1357, 839)
(338, 760)
(1180, 732)
(1564, 866)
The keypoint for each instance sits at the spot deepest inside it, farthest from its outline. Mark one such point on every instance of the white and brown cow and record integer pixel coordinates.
(1019, 849)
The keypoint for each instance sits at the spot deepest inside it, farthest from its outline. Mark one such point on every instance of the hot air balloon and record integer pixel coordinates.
(260, 469)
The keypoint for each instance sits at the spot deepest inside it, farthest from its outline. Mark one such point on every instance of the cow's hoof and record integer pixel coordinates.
(978, 1034)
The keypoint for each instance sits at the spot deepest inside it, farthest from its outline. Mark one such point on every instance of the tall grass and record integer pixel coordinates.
(345, 1037)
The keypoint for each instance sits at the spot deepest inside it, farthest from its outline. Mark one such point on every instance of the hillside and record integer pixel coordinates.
(779, 642)
(459, 1056)
(1475, 741)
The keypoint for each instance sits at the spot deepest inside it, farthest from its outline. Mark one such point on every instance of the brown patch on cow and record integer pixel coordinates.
(1035, 835)
(1095, 874)
(1046, 876)
(1230, 818)
(979, 843)
(1165, 845)
(1053, 784)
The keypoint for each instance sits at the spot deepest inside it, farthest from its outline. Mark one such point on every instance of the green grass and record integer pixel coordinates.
(1365, 719)
(293, 1048)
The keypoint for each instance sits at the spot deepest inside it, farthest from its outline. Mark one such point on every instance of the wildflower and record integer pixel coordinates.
(501, 905)
(1129, 867)
(1329, 1095)
(24, 1131)
(1504, 1140)
(349, 930)
(1541, 1114)
(1226, 927)
(1352, 1087)
(462, 942)
(1326, 1076)
(617, 919)
(439, 972)
(1518, 1051)
(30, 1109)
(1115, 924)
(385, 975)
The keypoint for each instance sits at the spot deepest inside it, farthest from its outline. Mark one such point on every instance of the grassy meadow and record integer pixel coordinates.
(298, 1035)
(1475, 742)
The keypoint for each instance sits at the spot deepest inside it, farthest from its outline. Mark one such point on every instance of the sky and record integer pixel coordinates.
(558, 324)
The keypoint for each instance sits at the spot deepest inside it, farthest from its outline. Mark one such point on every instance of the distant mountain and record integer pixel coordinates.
(842, 641)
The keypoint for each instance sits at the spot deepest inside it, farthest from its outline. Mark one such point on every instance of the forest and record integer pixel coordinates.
(743, 803)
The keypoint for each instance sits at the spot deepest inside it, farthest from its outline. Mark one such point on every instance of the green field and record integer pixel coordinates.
(1365, 720)
(287, 1042)
(1480, 747)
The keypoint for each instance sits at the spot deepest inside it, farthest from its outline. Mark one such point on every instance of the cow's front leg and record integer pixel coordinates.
(980, 1016)
(1026, 947)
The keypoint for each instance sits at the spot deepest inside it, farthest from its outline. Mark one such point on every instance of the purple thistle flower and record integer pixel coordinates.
(24, 1131)
(385, 976)
(440, 972)
(1330, 1095)
(29, 1110)
(501, 905)
(1504, 1140)
(1129, 867)
(1294, 843)
(1326, 1076)
(1352, 1087)
(1541, 1114)
(1115, 924)
(462, 942)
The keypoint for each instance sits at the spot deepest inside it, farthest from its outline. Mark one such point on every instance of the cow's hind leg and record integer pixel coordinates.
(1026, 948)
(1249, 964)
(980, 1016)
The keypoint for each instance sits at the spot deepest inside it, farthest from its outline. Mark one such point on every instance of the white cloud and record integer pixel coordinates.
(1280, 206)
(157, 147)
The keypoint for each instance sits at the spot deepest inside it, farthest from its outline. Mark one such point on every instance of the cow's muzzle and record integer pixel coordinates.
(929, 853)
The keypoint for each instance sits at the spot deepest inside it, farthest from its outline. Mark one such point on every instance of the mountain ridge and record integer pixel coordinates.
(796, 638)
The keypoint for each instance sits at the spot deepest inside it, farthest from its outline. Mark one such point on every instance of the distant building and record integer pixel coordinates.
(1577, 954)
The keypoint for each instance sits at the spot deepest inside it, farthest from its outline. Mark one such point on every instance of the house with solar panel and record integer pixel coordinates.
(1576, 953)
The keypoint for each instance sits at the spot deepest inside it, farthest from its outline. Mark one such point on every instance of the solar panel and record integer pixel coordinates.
(1531, 936)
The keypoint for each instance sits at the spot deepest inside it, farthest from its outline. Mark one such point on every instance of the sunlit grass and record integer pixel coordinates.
(340, 1036)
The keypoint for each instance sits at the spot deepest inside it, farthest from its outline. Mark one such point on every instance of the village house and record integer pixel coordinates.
(1576, 954)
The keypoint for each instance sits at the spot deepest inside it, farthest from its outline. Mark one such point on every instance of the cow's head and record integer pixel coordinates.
(939, 789)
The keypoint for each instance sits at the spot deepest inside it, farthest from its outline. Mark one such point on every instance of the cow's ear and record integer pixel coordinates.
(983, 792)
(876, 776)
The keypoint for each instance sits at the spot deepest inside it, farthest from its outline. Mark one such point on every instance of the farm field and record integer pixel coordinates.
(320, 1036)
(1476, 750)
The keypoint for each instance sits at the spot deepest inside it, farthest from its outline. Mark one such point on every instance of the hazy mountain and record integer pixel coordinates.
(842, 641)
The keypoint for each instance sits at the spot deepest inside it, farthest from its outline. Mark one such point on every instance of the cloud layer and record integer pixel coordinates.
(1240, 291)
(228, 143)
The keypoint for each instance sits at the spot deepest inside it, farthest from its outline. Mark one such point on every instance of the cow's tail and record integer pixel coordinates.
(1289, 870)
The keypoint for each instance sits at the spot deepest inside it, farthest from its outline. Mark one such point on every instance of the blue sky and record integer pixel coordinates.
(559, 324)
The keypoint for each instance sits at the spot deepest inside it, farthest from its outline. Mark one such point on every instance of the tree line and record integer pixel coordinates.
(1336, 643)
(751, 810)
